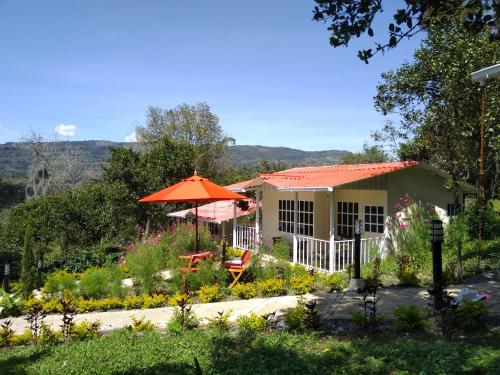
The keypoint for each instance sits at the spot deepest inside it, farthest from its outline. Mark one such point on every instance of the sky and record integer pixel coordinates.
(90, 69)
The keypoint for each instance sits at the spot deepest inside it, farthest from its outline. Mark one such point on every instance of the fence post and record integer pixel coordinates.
(295, 249)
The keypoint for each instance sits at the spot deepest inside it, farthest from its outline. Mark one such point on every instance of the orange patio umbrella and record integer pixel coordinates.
(193, 189)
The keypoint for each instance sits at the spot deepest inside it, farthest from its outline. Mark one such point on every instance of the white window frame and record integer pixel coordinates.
(374, 218)
(305, 217)
(347, 212)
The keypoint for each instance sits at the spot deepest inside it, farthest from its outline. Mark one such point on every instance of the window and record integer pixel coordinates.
(374, 219)
(451, 209)
(347, 212)
(305, 212)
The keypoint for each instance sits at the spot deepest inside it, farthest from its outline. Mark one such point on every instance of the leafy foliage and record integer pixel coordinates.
(411, 318)
(348, 19)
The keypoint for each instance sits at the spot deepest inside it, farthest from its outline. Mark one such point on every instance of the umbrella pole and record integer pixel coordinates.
(197, 240)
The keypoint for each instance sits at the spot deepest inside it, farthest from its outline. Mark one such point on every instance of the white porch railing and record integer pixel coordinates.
(245, 237)
(315, 253)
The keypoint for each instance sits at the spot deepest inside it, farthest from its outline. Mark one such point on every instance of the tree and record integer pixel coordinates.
(440, 106)
(370, 154)
(28, 274)
(353, 18)
(193, 124)
(164, 163)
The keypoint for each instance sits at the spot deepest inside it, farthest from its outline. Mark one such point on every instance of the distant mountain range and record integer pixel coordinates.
(15, 158)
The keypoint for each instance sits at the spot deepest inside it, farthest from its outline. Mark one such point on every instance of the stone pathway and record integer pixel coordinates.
(330, 305)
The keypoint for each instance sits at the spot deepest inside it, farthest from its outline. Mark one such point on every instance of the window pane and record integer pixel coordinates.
(367, 227)
(380, 219)
(356, 207)
(311, 206)
(367, 209)
(344, 206)
(380, 210)
(373, 228)
(350, 207)
(381, 229)
(339, 206)
(367, 218)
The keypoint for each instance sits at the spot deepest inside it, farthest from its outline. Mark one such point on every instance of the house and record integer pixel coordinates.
(315, 208)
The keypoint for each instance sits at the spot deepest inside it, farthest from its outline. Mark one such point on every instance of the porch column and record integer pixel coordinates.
(332, 260)
(295, 225)
(257, 220)
(223, 230)
(235, 223)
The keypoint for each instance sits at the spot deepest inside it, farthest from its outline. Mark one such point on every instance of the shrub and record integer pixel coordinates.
(59, 282)
(234, 252)
(177, 297)
(22, 339)
(410, 318)
(86, 330)
(144, 265)
(251, 323)
(94, 283)
(52, 306)
(302, 317)
(271, 287)
(151, 302)
(281, 250)
(409, 278)
(244, 290)
(141, 325)
(183, 319)
(98, 304)
(210, 293)
(208, 273)
(133, 302)
(329, 283)
(470, 314)
(221, 321)
(48, 336)
(302, 284)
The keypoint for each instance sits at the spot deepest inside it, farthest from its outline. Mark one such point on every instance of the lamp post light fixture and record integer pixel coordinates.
(436, 232)
(356, 282)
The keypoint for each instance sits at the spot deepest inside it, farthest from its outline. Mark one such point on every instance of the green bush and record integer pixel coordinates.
(281, 250)
(102, 282)
(271, 287)
(86, 330)
(141, 325)
(151, 302)
(52, 306)
(471, 314)
(410, 318)
(177, 297)
(208, 273)
(22, 339)
(210, 293)
(48, 336)
(301, 317)
(302, 284)
(104, 304)
(182, 321)
(133, 302)
(144, 265)
(331, 282)
(59, 282)
(244, 291)
(409, 278)
(252, 323)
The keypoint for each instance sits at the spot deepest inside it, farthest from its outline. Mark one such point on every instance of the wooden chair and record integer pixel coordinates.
(236, 269)
(193, 259)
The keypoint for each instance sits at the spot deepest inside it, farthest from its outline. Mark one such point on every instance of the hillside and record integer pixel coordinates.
(15, 159)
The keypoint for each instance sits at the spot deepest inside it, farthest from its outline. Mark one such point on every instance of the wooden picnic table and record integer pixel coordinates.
(193, 259)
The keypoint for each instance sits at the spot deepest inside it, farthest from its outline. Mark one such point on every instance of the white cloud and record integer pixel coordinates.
(65, 130)
(132, 137)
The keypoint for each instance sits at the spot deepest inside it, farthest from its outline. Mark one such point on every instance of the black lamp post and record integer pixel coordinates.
(6, 276)
(436, 227)
(356, 282)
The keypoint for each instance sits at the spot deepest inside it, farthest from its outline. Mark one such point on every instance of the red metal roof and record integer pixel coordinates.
(326, 176)
(217, 212)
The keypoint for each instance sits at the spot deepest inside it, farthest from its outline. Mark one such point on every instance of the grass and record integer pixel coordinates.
(124, 352)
